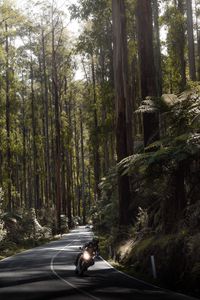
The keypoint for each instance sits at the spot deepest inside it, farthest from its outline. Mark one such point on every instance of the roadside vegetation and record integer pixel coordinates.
(119, 146)
(165, 226)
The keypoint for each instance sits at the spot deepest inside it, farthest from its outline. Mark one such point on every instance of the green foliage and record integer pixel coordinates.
(2, 223)
(106, 210)
(152, 172)
(174, 254)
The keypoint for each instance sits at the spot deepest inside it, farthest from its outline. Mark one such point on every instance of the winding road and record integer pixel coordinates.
(47, 272)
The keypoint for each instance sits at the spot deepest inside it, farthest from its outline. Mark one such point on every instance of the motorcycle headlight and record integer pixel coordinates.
(86, 255)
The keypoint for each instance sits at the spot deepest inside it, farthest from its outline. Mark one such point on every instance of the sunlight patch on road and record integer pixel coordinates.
(65, 268)
(69, 248)
(100, 265)
(22, 273)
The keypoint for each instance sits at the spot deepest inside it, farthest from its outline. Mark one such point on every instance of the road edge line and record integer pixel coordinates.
(66, 281)
(149, 284)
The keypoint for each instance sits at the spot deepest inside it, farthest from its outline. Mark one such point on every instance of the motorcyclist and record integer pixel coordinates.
(92, 247)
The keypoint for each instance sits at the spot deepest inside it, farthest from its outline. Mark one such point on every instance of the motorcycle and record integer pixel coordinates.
(84, 261)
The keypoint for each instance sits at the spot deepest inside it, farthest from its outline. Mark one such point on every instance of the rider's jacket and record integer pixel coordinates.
(91, 247)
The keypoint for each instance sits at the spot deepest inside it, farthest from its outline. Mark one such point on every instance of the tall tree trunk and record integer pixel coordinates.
(173, 209)
(89, 190)
(122, 102)
(181, 48)
(52, 151)
(96, 138)
(57, 128)
(29, 173)
(147, 68)
(34, 148)
(46, 114)
(69, 159)
(192, 67)
(1, 153)
(83, 169)
(157, 48)
(77, 165)
(24, 181)
(198, 39)
(145, 45)
(63, 183)
(69, 190)
(106, 161)
(8, 150)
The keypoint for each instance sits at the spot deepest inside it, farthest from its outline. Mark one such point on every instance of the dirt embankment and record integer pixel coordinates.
(177, 261)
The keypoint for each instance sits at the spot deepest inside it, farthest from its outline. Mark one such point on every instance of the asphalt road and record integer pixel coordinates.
(47, 272)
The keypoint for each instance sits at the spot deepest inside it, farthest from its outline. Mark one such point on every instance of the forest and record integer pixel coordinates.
(117, 146)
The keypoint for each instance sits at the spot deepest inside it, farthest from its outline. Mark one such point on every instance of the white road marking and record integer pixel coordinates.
(129, 276)
(146, 283)
(66, 281)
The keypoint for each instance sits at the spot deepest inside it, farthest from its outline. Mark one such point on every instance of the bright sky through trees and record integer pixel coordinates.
(73, 26)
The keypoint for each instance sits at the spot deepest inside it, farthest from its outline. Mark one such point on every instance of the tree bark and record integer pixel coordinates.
(46, 114)
(198, 39)
(145, 46)
(57, 128)
(96, 137)
(77, 165)
(34, 147)
(83, 170)
(24, 181)
(181, 48)
(122, 103)
(157, 48)
(192, 67)
(8, 150)
(147, 67)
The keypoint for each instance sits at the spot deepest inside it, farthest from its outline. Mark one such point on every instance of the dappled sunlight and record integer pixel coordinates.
(100, 265)
(48, 272)
(65, 249)
(22, 273)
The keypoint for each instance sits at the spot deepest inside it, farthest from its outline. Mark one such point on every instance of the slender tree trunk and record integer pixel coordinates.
(192, 67)
(96, 138)
(106, 161)
(30, 174)
(1, 168)
(89, 190)
(83, 169)
(157, 51)
(46, 108)
(1, 153)
(77, 166)
(181, 48)
(198, 39)
(52, 152)
(63, 184)
(74, 200)
(57, 129)
(69, 161)
(8, 150)
(24, 182)
(34, 148)
(69, 191)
